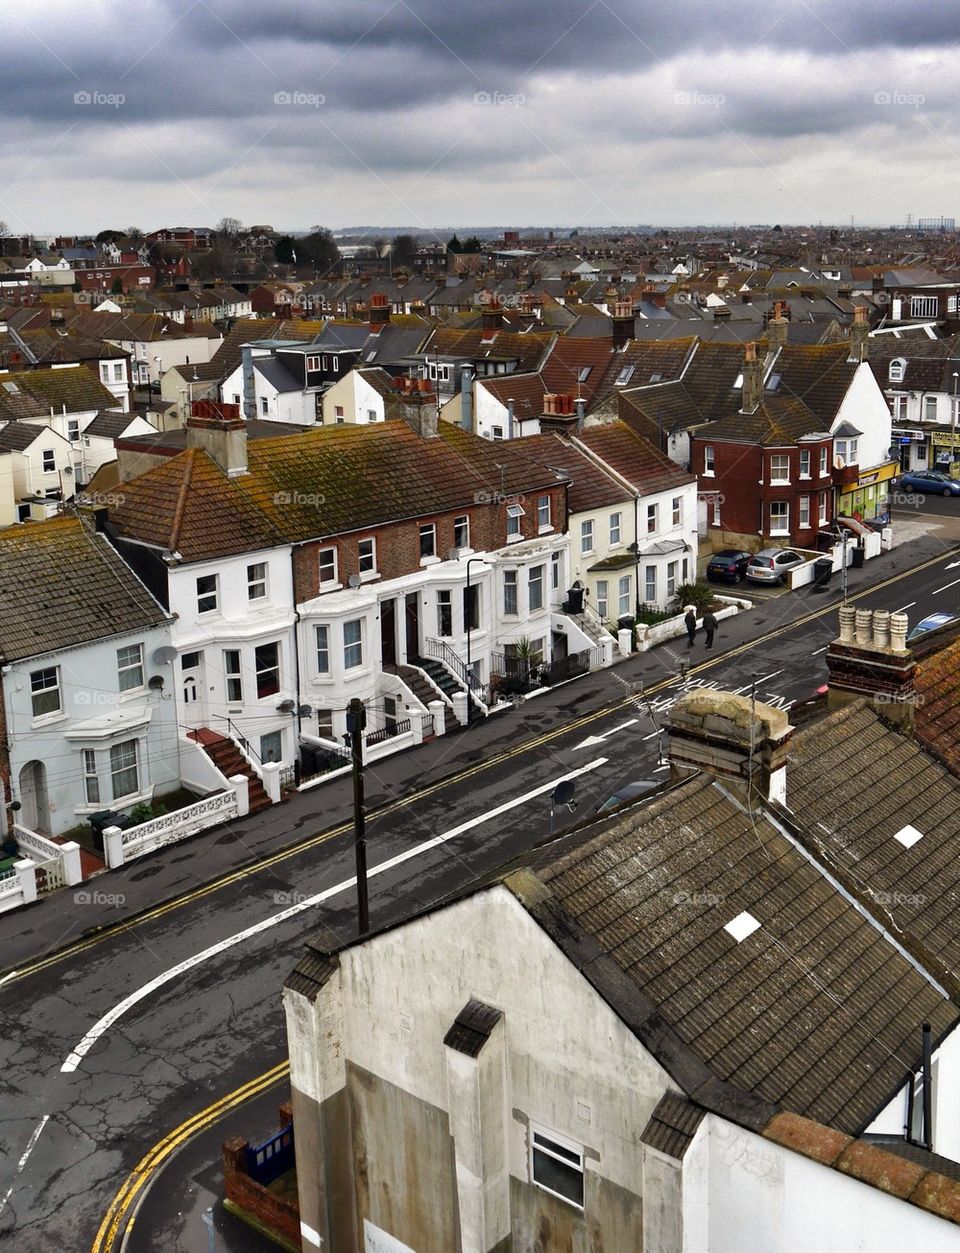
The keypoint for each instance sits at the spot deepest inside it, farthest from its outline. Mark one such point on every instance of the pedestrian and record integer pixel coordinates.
(690, 622)
(709, 626)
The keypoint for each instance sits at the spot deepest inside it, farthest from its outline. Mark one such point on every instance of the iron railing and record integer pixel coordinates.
(442, 651)
(388, 732)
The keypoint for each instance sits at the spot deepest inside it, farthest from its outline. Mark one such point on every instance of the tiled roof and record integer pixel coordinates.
(62, 585)
(590, 487)
(364, 476)
(633, 457)
(814, 1011)
(17, 436)
(672, 1125)
(110, 425)
(937, 714)
(525, 390)
(528, 350)
(853, 783)
(778, 421)
(36, 391)
(820, 376)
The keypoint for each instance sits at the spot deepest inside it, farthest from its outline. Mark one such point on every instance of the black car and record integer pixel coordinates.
(729, 566)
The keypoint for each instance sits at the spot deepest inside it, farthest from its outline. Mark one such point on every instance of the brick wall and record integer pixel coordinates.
(279, 1215)
(398, 544)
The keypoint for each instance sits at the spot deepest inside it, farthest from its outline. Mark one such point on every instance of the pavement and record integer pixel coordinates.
(116, 1040)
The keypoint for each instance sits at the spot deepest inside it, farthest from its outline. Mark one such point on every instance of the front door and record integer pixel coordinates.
(191, 689)
(388, 634)
(412, 614)
(33, 797)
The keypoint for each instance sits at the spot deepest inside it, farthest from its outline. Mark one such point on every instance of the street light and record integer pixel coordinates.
(953, 422)
(485, 559)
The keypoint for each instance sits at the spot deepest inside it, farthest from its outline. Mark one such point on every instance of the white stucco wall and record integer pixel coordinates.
(866, 408)
(744, 1192)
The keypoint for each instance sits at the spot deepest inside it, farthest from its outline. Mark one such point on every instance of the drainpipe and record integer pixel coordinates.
(509, 419)
(466, 398)
(636, 544)
(297, 720)
(927, 1090)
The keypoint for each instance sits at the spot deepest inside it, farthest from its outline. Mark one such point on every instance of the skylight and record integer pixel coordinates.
(908, 836)
(584, 374)
(625, 375)
(740, 927)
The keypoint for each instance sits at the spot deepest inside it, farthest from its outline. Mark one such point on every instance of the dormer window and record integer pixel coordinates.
(897, 367)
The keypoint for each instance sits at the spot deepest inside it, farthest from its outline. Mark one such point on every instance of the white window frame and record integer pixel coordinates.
(233, 676)
(73, 430)
(38, 690)
(351, 645)
(511, 593)
(653, 516)
(321, 563)
(779, 467)
(444, 602)
(48, 460)
(322, 647)
(127, 669)
(546, 1142)
(784, 528)
(204, 596)
(650, 584)
(709, 460)
(616, 528)
(804, 513)
(311, 363)
(824, 463)
(929, 408)
(624, 596)
(428, 533)
(364, 557)
(673, 570)
(124, 768)
(461, 530)
(514, 525)
(924, 306)
(536, 578)
(91, 777)
(896, 370)
(822, 509)
(676, 512)
(603, 597)
(276, 668)
(543, 513)
(804, 463)
(257, 580)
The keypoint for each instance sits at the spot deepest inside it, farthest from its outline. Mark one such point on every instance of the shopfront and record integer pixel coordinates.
(868, 500)
(942, 449)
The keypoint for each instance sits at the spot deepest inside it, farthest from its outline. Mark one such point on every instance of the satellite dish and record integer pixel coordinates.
(564, 793)
(156, 683)
(304, 711)
(163, 656)
(353, 581)
(287, 706)
(838, 463)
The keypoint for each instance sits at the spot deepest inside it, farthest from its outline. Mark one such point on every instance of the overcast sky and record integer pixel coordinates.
(476, 112)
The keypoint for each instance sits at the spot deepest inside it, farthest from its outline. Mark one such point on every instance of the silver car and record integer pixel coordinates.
(770, 565)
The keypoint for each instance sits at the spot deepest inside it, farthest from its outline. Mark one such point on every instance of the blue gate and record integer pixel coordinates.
(272, 1157)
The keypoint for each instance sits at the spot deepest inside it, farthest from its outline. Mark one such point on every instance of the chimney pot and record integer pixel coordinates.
(899, 622)
(864, 628)
(848, 616)
(881, 628)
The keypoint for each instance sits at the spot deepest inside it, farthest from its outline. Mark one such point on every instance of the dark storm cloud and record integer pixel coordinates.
(418, 89)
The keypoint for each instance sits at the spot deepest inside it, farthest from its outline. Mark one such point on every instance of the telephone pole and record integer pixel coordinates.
(356, 719)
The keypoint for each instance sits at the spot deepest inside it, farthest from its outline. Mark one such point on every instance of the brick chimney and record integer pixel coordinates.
(416, 404)
(491, 319)
(622, 323)
(752, 389)
(777, 328)
(859, 335)
(870, 658)
(560, 415)
(221, 432)
(378, 312)
(725, 735)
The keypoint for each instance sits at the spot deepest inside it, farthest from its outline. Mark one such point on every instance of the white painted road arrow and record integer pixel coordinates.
(592, 740)
(952, 566)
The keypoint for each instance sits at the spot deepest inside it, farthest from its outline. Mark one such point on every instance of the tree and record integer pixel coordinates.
(284, 250)
(108, 237)
(403, 250)
(454, 244)
(117, 287)
(319, 249)
(134, 234)
(228, 228)
(472, 244)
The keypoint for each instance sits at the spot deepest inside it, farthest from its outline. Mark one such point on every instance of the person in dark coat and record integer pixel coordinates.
(709, 626)
(690, 622)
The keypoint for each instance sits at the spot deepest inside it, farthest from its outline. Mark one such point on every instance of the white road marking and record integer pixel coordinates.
(657, 769)
(820, 650)
(103, 1025)
(746, 686)
(904, 608)
(593, 740)
(952, 566)
(945, 586)
(652, 736)
(23, 1160)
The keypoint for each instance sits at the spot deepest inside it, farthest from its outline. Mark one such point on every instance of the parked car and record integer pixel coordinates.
(772, 564)
(934, 482)
(931, 623)
(728, 566)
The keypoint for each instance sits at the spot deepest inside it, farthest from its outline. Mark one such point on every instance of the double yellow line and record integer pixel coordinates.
(314, 841)
(118, 1219)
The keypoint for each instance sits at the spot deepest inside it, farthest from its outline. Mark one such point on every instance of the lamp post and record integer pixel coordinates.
(454, 555)
(953, 422)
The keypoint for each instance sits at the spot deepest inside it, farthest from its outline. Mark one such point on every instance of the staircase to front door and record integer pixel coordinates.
(424, 693)
(230, 761)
